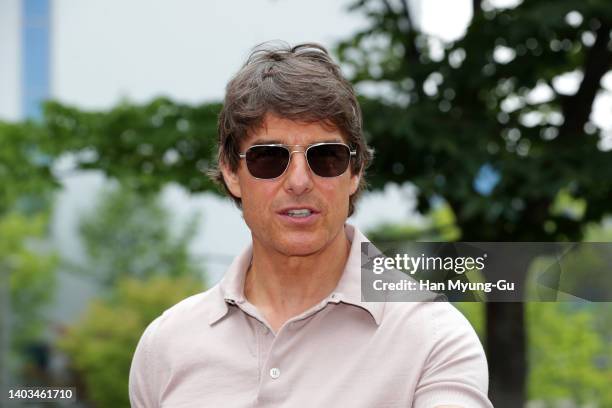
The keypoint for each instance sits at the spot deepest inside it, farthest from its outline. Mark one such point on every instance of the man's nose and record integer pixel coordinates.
(299, 177)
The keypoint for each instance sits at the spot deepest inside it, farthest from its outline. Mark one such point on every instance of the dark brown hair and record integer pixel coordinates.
(300, 83)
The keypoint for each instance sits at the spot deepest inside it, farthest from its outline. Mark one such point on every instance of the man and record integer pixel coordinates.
(286, 327)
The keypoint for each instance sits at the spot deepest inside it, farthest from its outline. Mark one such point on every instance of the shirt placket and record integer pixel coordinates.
(274, 384)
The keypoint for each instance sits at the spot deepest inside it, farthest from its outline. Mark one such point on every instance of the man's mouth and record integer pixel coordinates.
(299, 213)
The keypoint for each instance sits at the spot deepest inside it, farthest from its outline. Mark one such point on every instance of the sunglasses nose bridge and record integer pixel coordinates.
(298, 175)
(291, 152)
(302, 150)
(292, 149)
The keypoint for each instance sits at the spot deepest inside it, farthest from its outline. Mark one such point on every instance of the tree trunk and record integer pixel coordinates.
(506, 353)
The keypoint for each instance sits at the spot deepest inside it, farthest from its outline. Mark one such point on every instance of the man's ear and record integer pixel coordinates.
(355, 179)
(231, 180)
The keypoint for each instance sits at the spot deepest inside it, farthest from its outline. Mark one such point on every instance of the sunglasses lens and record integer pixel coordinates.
(329, 160)
(267, 162)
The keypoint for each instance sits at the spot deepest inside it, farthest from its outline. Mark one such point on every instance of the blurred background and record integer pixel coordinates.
(491, 121)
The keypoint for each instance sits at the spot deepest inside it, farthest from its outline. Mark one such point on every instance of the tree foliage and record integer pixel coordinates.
(568, 365)
(565, 366)
(145, 267)
(102, 343)
(128, 234)
(144, 146)
(25, 167)
(450, 118)
(31, 271)
(440, 226)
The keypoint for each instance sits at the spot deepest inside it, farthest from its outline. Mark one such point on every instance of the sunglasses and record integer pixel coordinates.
(270, 161)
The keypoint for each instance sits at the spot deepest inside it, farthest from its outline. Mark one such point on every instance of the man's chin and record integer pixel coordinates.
(305, 243)
(300, 248)
(297, 243)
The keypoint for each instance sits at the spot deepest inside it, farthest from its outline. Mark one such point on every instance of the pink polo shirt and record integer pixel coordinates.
(215, 349)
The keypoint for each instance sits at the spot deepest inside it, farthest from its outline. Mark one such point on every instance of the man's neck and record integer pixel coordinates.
(282, 287)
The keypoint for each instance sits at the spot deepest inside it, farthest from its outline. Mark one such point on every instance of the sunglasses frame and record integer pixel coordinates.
(290, 149)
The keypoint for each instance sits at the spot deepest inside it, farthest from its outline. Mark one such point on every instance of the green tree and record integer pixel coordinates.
(572, 365)
(462, 122)
(144, 267)
(25, 167)
(26, 274)
(102, 343)
(567, 364)
(143, 146)
(128, 234)
(31, 271)
(439, 226)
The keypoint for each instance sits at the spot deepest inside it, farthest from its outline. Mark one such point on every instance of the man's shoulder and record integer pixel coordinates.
(433, 313)
(447, 350)
(194, 309)
(428, 320)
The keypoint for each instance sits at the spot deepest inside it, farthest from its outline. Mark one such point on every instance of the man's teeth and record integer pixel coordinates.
(299, 213)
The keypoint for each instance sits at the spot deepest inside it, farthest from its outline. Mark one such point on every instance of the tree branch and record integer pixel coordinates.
(406, 14)
(577, 108)
(408, 35)
(476, 7)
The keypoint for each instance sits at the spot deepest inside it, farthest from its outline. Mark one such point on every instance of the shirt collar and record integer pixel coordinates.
(348, 290)
(349, 286)
(231, 288)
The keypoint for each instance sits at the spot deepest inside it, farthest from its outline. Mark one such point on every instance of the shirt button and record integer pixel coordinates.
(275, 373)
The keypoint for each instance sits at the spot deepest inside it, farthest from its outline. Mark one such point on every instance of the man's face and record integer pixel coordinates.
(265, 203)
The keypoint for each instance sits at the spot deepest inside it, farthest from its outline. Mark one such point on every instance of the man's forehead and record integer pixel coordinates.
(277, 130)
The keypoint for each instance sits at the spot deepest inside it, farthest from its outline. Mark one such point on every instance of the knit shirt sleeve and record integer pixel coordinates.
(455, 372)
(143, 373)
